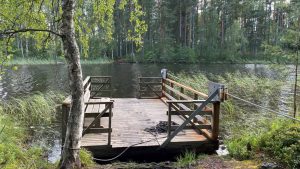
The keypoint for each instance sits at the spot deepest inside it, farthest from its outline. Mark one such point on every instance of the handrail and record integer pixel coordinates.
(187, 88)
(188, 101)
(86, 81)
(149, 87)
(101, 102)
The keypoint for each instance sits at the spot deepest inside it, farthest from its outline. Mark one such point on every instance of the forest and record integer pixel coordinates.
(161, 30)
(219, 87)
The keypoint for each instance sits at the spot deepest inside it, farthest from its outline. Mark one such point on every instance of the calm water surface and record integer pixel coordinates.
(42, 78)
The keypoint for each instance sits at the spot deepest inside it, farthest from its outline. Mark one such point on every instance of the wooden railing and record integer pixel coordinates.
(150, 87)
(100, 86)
(95, 87)
(199, 110)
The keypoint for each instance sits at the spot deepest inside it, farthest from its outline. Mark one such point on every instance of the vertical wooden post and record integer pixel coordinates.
(195, 106)
(215, 120)
(65, 109)
(109, 123)
(163, 88)
(169, 119)
(172, 93)
(139, 88)
(164, 76)
(181, 91)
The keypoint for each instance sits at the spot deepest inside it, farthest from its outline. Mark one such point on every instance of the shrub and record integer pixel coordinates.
(280, 139)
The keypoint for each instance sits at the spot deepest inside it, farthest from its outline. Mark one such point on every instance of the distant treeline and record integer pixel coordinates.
(183, 31)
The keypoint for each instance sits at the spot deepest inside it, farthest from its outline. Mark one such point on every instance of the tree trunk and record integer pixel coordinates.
(295, 86)
(70, 155)
(22, 49)
(180, 24)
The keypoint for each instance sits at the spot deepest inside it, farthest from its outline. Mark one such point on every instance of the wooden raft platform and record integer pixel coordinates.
(114, 124)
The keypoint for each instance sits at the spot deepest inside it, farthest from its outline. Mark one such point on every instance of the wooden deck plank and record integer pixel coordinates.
(130, 118)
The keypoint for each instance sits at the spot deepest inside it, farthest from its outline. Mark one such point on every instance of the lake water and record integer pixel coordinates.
(31, 78)
(42, 78)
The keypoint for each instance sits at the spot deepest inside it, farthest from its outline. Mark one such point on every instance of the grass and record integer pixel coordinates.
(34, 109)
(35, 61)
(86, 158)
(16, 115)
(14, 153)
(87, 61)
(237, 115)
(188, 158)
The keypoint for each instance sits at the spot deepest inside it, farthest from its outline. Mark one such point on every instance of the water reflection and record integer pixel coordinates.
(43, 78)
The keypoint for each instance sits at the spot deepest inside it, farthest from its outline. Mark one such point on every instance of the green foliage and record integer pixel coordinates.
(241, 148)
(30, 110)
(187, 158)
(32, 61)
(236, 115)
(96, 61)
(282, 140)
(35, 109)
(150, 57)
(279, 139)
(184, 55)
(13, 152)
(86, 158)
(238, 118)
(248, 130)
(166, 30)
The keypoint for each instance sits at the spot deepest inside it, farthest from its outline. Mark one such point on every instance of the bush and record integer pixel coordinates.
(184, 55)
(280, 140)
(283, 142)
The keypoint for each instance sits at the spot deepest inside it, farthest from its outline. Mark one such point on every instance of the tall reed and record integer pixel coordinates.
(33, 109)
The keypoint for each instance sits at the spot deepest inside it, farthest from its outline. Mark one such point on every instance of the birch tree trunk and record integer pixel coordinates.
(70, 154)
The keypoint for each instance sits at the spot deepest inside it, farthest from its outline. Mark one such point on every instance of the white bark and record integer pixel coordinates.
(70, 154)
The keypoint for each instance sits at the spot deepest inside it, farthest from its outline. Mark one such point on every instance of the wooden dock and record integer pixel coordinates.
(190, 118)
